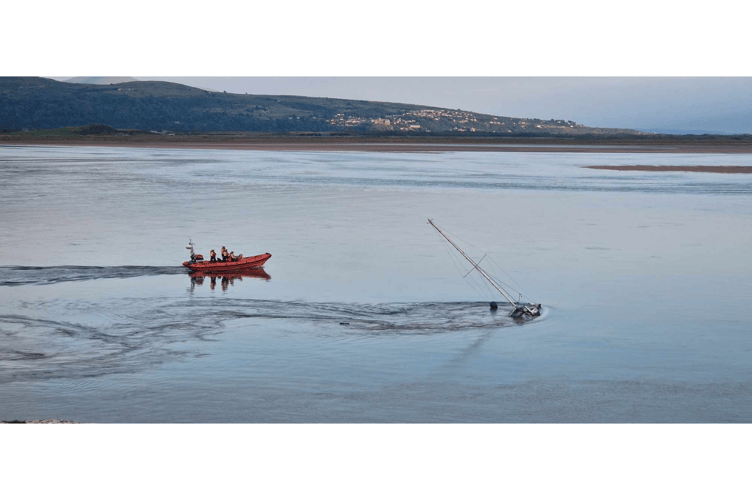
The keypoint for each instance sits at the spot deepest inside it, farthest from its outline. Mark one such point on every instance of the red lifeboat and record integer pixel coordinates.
(240, 263)
(197, 262)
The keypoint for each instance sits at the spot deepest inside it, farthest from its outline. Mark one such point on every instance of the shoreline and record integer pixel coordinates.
(668, 168)
(364, 144)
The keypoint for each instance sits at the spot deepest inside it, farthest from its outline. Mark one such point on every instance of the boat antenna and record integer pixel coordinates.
(475, 265)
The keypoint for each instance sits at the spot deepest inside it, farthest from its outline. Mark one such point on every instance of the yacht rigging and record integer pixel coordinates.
(521, 310)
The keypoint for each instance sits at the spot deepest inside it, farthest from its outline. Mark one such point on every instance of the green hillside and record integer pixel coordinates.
(40, 103)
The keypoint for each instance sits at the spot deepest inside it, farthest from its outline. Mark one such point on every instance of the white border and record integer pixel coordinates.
(375, 461)
(389, 38)
(386, 38)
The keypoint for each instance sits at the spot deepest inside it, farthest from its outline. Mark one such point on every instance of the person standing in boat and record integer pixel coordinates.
(212, 256)
(224, 254)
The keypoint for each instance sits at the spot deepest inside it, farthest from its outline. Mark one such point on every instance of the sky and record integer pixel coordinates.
(665, 104)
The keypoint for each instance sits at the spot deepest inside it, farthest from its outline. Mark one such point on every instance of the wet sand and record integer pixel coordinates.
(666, 168)
(400, 145)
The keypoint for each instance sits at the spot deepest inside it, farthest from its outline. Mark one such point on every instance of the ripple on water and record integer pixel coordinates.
(148, 332)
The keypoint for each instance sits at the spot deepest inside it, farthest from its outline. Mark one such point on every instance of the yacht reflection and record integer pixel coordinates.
(226, 278)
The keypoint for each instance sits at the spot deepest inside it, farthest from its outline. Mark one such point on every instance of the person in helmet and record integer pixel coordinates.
(212, 256)
(224, 254)
(232, 256)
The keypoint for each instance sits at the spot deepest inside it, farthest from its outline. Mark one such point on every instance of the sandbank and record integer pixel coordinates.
(671, 168)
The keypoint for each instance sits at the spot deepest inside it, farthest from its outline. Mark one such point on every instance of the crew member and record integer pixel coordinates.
(224, 254)
(212, 256)
(232, 256)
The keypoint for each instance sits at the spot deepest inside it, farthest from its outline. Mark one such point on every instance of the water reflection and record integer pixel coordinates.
(226, 278)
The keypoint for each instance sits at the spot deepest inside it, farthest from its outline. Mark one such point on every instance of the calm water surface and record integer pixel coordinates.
(362, 315)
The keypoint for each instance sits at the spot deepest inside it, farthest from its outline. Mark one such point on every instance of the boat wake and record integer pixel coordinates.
(420, 318)
(27, 275)
(126, 335)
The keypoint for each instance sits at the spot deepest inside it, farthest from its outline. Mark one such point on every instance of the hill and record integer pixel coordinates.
(101, 80)
(41, 103)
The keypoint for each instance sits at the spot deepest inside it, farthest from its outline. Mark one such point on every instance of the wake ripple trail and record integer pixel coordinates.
(75, 339)
(28, 275)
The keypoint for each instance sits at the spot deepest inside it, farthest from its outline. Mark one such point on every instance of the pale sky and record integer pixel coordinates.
(709, 104)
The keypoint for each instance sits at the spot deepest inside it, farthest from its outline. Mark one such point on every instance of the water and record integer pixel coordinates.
(362, 315)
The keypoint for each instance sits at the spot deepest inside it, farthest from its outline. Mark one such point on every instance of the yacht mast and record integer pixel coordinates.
(480, 270)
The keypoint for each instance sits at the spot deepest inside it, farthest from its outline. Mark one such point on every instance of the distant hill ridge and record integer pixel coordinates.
(101, 80)
(42, 103)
